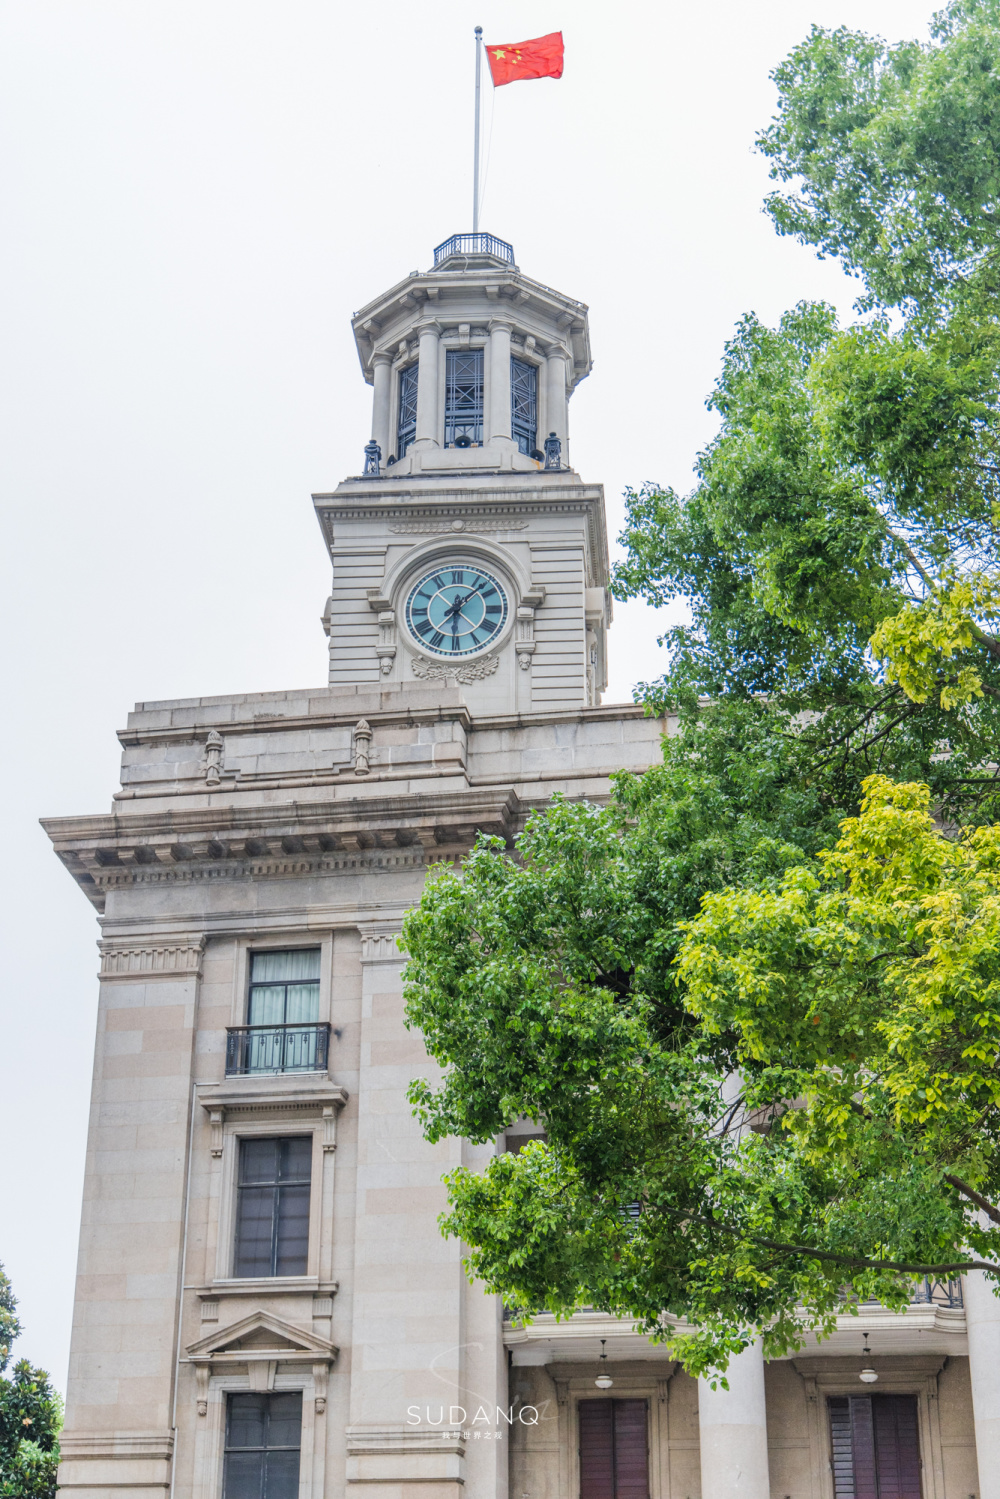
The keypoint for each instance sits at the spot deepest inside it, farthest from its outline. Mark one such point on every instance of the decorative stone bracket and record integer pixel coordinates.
(386, 648)
(524, 643)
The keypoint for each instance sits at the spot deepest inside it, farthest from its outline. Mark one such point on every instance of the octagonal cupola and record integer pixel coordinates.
(472, 365)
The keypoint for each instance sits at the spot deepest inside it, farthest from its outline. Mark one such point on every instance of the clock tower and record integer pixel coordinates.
(266, 1308)
(469, 551)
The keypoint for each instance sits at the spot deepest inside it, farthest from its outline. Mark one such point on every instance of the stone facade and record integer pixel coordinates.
(267, 823)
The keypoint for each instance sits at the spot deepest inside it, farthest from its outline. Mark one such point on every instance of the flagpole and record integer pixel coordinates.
(475, 167)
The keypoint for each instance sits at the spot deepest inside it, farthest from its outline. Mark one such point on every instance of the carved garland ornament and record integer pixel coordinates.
(462, 671)
(440, 527)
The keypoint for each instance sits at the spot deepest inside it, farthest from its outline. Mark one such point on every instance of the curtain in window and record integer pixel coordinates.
(284, 991)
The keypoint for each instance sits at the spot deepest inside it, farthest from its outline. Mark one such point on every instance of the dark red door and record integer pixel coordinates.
(875, 1447)
(613, 1449)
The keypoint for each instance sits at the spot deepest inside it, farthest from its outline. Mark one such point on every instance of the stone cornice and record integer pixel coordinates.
(167, 958)
(408, 502)
(284, 724)
(392, 718)
(276, 841)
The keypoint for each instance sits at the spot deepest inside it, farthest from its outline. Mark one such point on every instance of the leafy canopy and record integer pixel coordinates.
(30, 1416)
(585, 983)
(842, 533)
(753, 1001)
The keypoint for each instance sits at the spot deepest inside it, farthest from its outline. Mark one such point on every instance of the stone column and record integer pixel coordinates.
(381, 416)
(555, 395)
(498, 430)
(982, 1316)
(428, 415)
(733, 1426)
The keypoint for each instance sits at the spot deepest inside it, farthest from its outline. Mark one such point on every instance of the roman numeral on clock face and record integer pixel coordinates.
(457, 610)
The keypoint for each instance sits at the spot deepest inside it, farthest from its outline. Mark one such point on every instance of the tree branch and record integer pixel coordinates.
(849, 1262)
(973, 1196)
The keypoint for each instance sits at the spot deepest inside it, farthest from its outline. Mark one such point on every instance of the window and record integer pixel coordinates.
(284, 987)
(876, 1446)
(272, 1208)
(263, 1437)
(407, 429)
(283, 1034)
(613, 1449)
(463, 398)
(524, 405)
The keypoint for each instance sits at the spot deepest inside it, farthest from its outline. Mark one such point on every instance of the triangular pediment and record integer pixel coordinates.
(261, 1332)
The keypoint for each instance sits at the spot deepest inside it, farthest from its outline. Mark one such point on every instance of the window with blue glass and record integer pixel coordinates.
(463, 398)
(407, 429)
(524, 405)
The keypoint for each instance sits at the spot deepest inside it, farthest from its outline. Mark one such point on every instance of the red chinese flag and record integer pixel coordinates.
(542, 57)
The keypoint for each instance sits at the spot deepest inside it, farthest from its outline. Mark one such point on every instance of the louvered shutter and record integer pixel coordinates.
(842, 1456)
(631, 1469)
(613, 1449)
(863, 1443)
(597, 1449)
(875, 1447)
(897, 1447)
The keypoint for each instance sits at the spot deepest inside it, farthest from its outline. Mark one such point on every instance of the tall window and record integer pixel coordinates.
(524, 405)
(272, 1208)
(875, 1446)
(284, 1005)
(263, 1438)
(407, 429)
(463, 398)
(613, 1450)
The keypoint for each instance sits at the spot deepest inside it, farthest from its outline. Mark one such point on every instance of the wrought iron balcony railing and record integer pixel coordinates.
(929, 1292)
(474, 244)
(276, 1048)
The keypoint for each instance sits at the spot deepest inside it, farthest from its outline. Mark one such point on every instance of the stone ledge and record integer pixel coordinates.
(403, 1440)
(116, 1445)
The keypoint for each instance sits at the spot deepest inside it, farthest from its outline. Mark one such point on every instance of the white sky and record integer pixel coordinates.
(197, 194)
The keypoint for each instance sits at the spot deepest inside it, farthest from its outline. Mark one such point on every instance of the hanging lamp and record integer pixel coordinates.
(868, 1374)
(603, 1380)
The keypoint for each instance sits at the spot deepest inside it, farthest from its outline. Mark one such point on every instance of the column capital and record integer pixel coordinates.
(427, 325)
(501, 324)
(556, 351)
(382, 356)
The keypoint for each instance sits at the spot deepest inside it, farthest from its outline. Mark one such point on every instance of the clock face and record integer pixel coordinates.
(456, 610)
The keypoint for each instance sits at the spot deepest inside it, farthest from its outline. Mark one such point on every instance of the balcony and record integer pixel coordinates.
(474, 245)
(928, 1292)
(255, 1049)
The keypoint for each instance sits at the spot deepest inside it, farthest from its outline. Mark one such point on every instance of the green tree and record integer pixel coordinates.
(841, 539)
(30, 1416)
(754, 1000)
